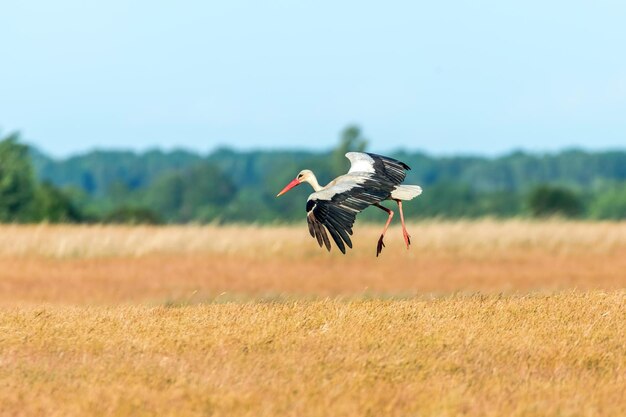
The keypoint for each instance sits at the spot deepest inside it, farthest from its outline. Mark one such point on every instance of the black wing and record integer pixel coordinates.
(371, 180)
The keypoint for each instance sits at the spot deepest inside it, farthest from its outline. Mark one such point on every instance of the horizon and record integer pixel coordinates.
(435, 155)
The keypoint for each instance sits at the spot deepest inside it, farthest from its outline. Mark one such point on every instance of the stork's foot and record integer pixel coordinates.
(380, 245)
(407, 238)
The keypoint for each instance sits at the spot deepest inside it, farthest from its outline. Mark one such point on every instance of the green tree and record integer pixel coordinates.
(132, 215)
(17, 182)
(351, 140)
(547, 200)
(54, 206)
(610, 203)
(199, 193)
(166, 195)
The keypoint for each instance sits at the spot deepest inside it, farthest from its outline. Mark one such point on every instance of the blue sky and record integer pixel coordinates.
(446, 77)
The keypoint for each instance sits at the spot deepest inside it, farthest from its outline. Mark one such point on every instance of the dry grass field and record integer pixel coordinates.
(190, 264)
(483, 318)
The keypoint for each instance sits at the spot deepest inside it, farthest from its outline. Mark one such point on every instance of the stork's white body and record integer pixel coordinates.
(346, 182)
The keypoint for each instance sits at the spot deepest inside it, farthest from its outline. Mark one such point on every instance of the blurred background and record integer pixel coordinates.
(155, 112)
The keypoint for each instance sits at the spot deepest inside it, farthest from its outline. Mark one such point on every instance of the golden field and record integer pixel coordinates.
(190, 264)
(483, 318)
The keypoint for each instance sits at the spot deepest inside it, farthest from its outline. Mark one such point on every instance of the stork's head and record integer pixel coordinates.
(304, 176)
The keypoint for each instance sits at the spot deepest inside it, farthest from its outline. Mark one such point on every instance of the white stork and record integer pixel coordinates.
(371, 179)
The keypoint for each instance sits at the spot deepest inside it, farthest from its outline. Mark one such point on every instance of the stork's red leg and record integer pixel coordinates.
(407, 237)
(381, 245)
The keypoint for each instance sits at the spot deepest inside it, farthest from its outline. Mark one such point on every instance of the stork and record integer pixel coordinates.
(371, 179)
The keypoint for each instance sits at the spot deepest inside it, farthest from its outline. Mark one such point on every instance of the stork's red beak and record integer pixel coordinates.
(289, 186)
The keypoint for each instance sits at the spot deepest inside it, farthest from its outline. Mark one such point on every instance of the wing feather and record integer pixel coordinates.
(335, 235)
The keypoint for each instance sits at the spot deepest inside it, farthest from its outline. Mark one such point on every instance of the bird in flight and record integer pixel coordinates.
(371, 179)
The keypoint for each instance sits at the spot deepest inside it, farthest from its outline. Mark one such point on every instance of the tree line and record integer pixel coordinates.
(231, 186)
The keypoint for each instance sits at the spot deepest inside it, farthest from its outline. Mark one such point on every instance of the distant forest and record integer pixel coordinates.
(234, 186)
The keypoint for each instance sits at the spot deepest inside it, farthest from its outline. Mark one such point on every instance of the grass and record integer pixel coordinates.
(477, 238)
(555, 355)
(484, 318)
(109, 265)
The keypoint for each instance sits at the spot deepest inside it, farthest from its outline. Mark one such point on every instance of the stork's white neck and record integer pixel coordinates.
(312, 179)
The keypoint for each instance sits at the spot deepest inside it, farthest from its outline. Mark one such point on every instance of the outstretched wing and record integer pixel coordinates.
(370, 180)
